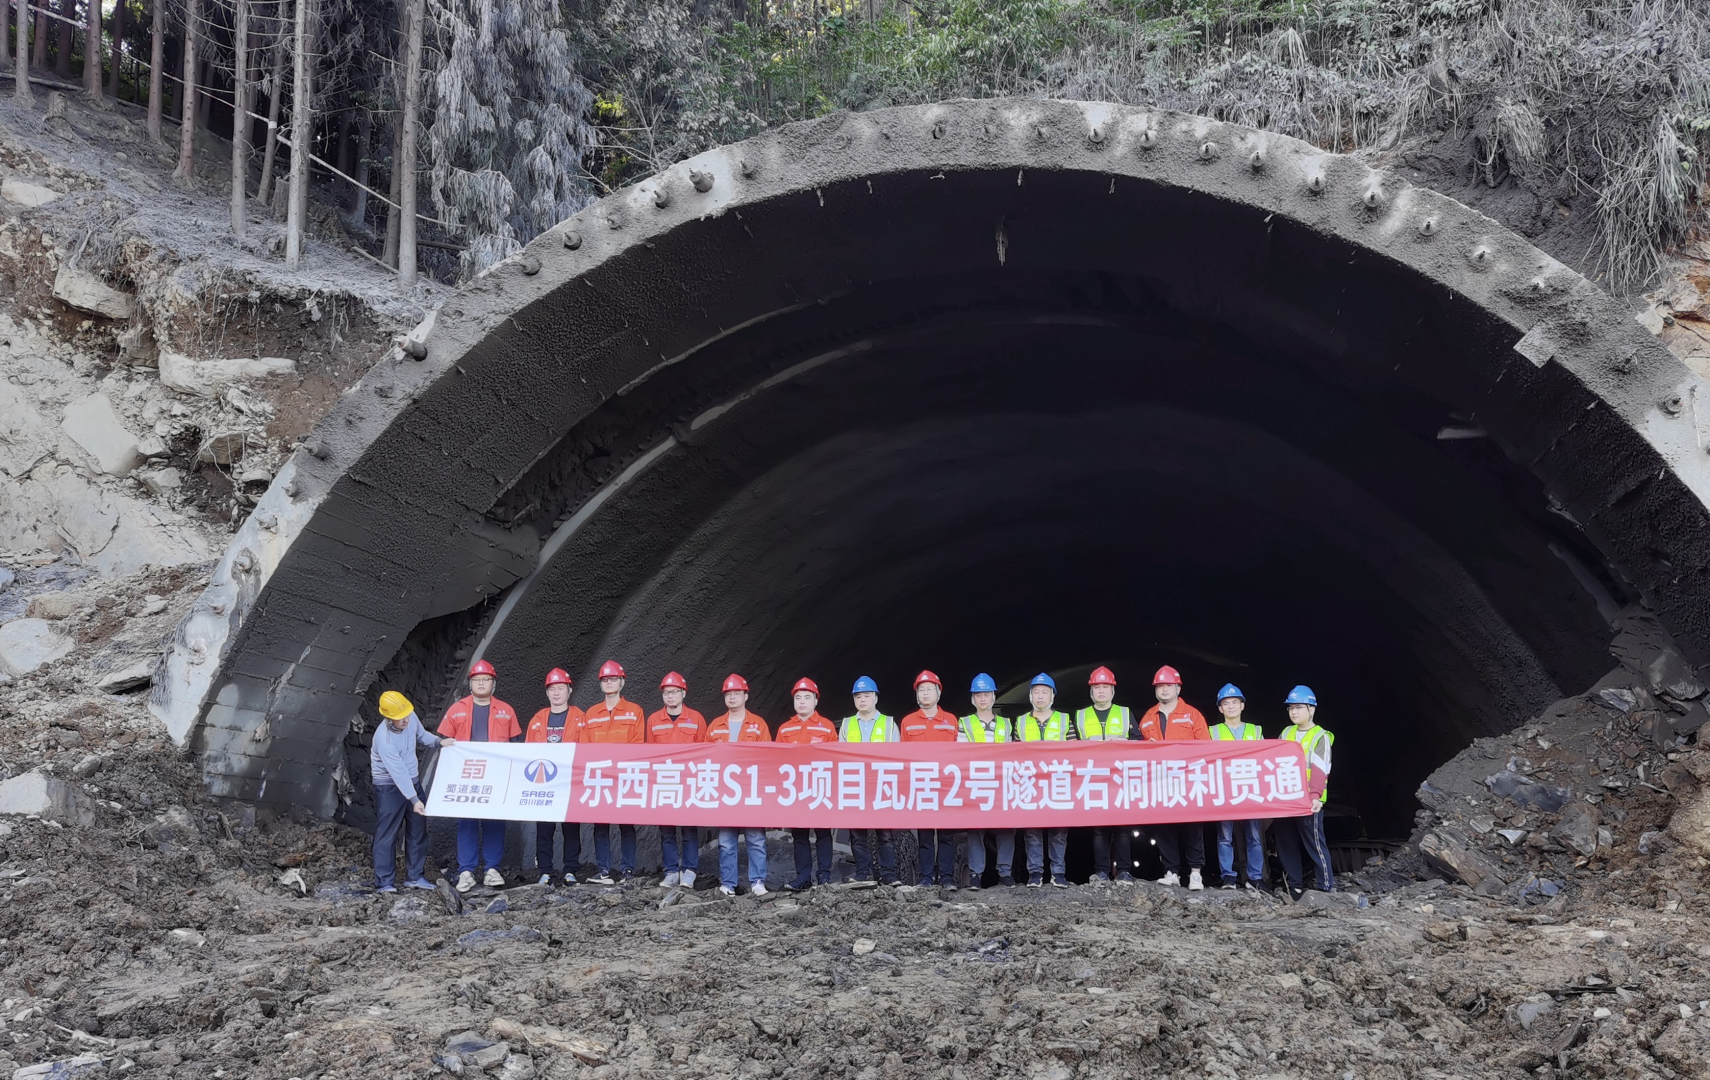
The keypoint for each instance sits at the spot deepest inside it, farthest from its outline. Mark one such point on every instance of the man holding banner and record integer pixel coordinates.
(929, 723)
(613, 720)
(869, 725)
(806, 728)
(1171, 719)
(480, 717)
(559, 722)
(680, 846)
(739, 725)
(984, 725)
(1045, 724)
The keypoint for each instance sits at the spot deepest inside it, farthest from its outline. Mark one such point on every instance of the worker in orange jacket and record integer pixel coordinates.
(559, 722)
(680, 845)
(737, 724)
(1169, 720)
(613, 720)
(480, 717)
(806, 727)
(929, 723)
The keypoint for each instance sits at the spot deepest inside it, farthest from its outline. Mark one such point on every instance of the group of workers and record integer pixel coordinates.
(481, 717)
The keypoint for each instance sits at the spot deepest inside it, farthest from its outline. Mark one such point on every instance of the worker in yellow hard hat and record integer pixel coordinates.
(398, 790)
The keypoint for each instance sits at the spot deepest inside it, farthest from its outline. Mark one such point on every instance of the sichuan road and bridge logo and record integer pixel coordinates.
(540, 772)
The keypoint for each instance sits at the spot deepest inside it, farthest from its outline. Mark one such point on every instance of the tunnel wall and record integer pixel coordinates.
(385, 518)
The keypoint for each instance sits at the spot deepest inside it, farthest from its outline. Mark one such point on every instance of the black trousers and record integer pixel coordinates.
(1300, 840)
(887, 869)
(945, 842)
(1105, 838)
(805, 856)
(1176, 841)
(543, 831)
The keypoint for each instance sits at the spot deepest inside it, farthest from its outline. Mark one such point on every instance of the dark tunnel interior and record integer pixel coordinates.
(1051, 467)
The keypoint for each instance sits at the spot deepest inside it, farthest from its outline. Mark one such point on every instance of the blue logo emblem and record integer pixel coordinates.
(540, 771)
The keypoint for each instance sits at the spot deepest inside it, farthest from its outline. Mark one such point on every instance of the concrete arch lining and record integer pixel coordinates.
(385, 519)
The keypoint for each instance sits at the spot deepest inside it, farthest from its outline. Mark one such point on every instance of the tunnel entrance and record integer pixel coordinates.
(994, 386)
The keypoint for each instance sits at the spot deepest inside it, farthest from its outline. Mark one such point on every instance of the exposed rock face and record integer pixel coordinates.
(208, 377)
(37, 793)
(24, 436)
(87, 292)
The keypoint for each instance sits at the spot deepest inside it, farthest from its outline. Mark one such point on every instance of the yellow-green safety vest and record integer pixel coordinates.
(1249, 732)
(1088, 727)
(852, 729)
(1056, 728)
(975, 731)
(1307, 743)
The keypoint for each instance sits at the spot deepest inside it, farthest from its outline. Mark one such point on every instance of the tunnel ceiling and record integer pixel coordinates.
(986, 385)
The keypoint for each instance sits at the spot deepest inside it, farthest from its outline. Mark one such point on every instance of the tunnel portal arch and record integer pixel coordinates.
(877, 360)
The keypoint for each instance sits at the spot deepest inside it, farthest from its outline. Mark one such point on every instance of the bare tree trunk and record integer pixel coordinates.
(21, 69)
(92, 53)
(264, 194)
(364, 133)
(157, 58)
(39, 58)
(302, 136)
(115, 79)
(62, 54)
(204, 102)
(389, 250)
(186, 170)
(240, 116)
(407, 162)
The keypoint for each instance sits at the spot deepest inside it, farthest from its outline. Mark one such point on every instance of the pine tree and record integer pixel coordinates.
(508, 131)
(186, 171)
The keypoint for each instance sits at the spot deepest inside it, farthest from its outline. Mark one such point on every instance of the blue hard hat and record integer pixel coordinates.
(864, 685)
(1301, 695)
(1230, 690)
(1043, 679)
(983, 684)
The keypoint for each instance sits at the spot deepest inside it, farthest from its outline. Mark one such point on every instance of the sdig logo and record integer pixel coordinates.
(481, 799)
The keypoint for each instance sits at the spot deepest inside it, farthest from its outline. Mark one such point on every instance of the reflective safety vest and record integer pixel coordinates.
(1309, 741)
(1056, 728)
(852, 729)
(1249, 732)
(975, 731)
(1088, 727)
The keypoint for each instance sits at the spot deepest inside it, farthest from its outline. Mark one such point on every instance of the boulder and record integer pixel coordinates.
(223, 448)
(93, 424)
(25, 437)
(27, 644)
(52, 605)
(1450, 857)
(1690, 824)
(131, 673)
(208, 378)
(24, 193)
(1577, 828)
(37, 793)
(161, 481)
(87, 292)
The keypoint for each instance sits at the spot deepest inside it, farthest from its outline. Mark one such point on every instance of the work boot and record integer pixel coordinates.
(1170, 878)
(672, 880)
(494, 879)
(688, 879)
(1194, 882)
(465, 881)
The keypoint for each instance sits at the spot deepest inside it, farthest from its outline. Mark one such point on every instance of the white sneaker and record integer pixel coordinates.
(726, 890)
(688, 879)
(465, 881)
(1170, 878)
(758, 888)
(1194, 883)
(494, 879)
(569, 878)
(672, 880)
(545, 879)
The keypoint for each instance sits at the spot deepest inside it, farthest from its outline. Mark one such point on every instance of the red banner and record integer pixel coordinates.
(873, 785)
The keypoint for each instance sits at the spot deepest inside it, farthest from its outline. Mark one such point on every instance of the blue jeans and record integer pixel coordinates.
(727, 839)
(395, 816)
(479, 842)
(603, 847)
(690, 849)
(805, 856)
(977, 852)
(1253, 832)
(945, 842)
(1037, 841)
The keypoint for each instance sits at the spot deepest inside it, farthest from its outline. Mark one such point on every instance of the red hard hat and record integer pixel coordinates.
(611, 669)
(1103, 676)
(805, 684)
(927, 676)
(735, 682)
(481, 667)
(672, 679)
(558, 677)
(1167, 676)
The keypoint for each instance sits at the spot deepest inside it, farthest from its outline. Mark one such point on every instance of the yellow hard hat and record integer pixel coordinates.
(395, 706)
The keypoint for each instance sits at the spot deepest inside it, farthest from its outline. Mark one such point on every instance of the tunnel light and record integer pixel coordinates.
(1154, 843)
(1136, 832)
